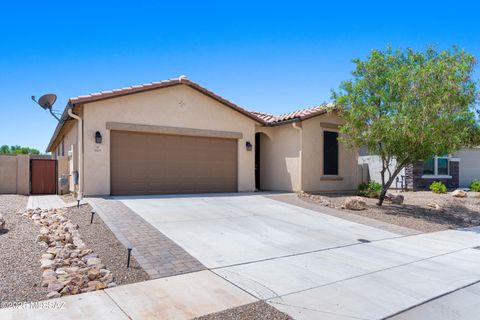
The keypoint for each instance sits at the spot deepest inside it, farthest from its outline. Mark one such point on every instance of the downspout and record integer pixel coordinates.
(298, 125)
(80, 152)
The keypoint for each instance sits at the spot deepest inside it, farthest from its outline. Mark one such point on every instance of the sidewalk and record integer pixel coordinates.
(179, 297)
(45, 202)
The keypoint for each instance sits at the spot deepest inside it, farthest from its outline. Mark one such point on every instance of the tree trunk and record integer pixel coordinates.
(386, 186)
(383, 193)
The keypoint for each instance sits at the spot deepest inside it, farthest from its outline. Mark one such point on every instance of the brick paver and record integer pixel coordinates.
(157, 254)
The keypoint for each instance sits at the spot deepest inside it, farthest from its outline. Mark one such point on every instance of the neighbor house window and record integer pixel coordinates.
(436, 166)
(330, 153)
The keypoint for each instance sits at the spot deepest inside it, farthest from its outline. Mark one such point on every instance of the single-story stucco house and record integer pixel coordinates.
(175, 136)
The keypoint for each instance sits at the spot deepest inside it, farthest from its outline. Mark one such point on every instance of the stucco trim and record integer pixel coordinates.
(173, 130)
(436, 176)
(328, 125)
(331, 178)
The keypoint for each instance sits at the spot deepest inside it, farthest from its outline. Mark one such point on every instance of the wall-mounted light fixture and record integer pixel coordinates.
(98, 137)
(249, 146)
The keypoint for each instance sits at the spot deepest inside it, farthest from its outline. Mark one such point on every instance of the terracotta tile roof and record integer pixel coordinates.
(263, 118)
(102, 95)
(124, 91)
(299, 114)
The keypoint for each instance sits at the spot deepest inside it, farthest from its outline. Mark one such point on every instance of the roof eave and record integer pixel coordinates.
(59, 127)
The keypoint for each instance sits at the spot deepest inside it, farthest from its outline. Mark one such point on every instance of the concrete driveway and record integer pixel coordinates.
(312, 265)
(226, 230)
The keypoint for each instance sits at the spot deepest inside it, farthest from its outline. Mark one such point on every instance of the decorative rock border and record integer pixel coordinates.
(69, 267)
(317, 199)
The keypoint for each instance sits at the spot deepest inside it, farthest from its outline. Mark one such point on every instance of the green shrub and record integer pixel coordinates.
(370, 190)
(475, 185)
(438, 187)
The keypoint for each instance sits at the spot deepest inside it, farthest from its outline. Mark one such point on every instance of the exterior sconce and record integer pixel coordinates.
(249, 146)
(98, 137)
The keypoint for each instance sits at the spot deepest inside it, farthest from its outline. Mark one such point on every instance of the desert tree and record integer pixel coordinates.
(407, 106)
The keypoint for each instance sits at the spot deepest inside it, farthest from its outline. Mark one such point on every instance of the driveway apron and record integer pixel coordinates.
(312, 265)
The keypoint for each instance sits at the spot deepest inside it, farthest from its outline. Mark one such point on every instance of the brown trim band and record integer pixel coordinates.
(173, 130)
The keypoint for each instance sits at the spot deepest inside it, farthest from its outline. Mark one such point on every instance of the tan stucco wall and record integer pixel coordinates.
(15, 174)
(8, 174)
(280, 158)
(69, 136)
(23, 174)
(312, 170)
(63, 168)
(178, 106)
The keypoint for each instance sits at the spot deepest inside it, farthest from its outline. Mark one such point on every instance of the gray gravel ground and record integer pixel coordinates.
(416, 212)
(20, 271)
(102, 241)
(254, 311)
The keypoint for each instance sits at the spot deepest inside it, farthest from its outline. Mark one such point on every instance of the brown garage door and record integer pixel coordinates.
(143, 163)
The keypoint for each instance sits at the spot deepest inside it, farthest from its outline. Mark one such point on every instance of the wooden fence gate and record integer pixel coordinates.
(43, 176)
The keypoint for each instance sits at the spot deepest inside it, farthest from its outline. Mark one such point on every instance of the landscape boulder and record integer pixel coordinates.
(53, 295)
(2, 223)
(355, 203)
(459, 193)
(394, 198)
(435, 206)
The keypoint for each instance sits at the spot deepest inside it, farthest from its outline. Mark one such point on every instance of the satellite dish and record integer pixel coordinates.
(46, 102)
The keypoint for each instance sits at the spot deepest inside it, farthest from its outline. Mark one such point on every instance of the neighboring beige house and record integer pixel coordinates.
(175, 136)
(454, 170)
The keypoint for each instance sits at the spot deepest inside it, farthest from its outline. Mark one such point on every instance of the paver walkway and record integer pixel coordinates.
(157, 254)
(45, 202)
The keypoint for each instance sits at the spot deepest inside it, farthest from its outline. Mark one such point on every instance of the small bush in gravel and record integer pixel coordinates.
(475, 185)
(370, 190)
(438, 187)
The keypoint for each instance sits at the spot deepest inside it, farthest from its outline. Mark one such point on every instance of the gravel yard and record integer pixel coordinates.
(21, 275)
(20, 271)
(254, 311)
(113, 254)
(424, 211)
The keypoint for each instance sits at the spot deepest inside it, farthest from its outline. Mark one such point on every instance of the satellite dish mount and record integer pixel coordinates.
(46, 102)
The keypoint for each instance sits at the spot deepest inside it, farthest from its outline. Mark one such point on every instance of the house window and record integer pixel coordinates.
(330, 153)
(63, 148)
(437, 166)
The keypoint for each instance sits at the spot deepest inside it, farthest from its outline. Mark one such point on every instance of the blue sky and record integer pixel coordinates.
(267, 56)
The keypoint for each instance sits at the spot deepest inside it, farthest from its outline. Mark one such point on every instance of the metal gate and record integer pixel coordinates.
(43, 176)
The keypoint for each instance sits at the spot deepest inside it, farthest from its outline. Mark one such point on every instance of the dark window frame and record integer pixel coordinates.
(436, 167)
(331, 163)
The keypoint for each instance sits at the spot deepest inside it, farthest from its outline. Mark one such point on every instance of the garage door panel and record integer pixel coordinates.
(143, 163)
